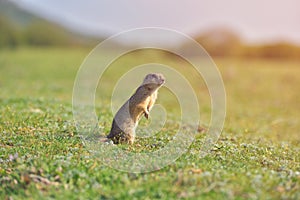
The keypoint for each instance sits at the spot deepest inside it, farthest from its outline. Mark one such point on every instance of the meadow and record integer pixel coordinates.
(42, 156)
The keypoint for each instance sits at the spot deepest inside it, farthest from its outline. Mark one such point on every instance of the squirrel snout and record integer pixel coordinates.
(162, 81)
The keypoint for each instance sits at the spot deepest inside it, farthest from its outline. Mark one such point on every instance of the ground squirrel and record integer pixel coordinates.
(140, 103)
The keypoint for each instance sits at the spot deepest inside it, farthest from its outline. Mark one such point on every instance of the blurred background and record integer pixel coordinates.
(265, 29)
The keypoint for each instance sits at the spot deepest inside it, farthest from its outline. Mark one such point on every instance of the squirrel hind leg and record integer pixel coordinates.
(122, 138)
(126, 139)
(131, 140)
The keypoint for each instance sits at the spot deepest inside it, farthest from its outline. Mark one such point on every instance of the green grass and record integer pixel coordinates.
(42, 155)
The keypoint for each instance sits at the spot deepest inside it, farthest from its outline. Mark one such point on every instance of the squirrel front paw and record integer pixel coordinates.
(146, 114)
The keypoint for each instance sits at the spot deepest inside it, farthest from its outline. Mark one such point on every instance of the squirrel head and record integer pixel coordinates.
(154, 79)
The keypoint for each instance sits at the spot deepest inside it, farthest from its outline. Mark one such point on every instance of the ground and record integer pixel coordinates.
(42, 155)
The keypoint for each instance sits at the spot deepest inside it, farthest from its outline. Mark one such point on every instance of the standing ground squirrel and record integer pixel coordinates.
(140, 103)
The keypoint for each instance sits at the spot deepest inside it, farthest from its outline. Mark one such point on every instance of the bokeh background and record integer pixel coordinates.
(265, 29)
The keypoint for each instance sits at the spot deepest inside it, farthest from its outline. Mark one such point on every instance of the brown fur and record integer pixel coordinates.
(140, 103)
